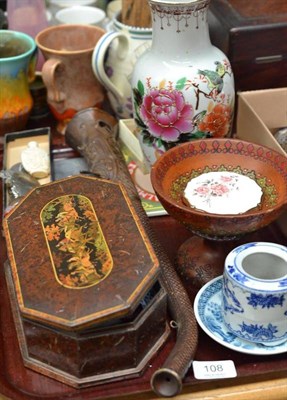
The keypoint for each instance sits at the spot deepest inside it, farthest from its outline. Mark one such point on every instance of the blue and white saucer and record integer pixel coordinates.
(207, 309)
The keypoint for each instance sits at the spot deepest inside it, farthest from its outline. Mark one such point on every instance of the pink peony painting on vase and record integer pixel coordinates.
(166, 114)
(166, 117)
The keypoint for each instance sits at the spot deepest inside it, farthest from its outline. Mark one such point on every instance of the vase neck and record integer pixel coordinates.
(180, 30)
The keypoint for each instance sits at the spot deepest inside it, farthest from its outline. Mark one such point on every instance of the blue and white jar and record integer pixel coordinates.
(255, 292)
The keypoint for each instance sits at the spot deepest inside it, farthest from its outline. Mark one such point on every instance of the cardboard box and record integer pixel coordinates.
(260, 114)
(128, 136)
(138, 168)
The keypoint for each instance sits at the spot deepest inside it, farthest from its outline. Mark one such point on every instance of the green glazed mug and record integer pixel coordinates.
(18, 54)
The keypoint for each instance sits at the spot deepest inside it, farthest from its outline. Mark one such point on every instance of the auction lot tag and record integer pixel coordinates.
(214, 369)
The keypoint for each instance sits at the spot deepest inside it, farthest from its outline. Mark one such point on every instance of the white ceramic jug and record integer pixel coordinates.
(113, 61)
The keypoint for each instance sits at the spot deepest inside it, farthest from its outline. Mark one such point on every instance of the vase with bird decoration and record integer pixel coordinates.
(183, 86)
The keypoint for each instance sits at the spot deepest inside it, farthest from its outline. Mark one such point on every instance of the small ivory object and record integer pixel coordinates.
(35, 160)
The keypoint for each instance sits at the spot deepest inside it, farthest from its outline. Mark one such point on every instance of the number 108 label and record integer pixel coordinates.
(214, 369)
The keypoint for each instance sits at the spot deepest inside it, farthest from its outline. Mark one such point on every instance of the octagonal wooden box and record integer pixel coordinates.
(83, 283)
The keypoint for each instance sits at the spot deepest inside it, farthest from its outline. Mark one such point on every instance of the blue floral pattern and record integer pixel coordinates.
(260, 332)
(237, 276)
(265, 301)
(208, 312)
(232, 305)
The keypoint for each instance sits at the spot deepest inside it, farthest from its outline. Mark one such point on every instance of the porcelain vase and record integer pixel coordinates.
(183, 87)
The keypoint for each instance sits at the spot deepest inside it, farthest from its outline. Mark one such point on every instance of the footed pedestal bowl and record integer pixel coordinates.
(201, 257)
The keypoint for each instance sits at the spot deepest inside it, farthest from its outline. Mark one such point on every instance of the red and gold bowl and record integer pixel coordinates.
(171, 173)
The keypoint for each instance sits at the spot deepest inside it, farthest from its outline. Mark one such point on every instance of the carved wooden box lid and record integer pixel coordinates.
(79, 254)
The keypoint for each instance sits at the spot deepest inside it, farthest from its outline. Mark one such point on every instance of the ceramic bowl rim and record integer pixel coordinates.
(182, 207)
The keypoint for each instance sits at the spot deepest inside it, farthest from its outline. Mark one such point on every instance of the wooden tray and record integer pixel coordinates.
(258, 376)
(18, 382)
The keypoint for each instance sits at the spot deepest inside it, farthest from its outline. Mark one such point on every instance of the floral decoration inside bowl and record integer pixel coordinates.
(181, 164)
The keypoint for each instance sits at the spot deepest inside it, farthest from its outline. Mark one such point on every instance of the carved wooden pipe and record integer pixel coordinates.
(92, 133)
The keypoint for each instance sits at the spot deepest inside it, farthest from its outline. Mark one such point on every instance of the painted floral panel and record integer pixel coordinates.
(167, 116)
(79, 253)
(223, 192)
